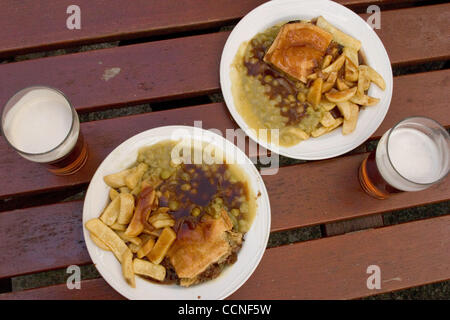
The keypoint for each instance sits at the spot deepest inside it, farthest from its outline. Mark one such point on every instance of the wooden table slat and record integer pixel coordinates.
(418, 94)
(408, 255)
(189, 66)
(116, 20)
(50, 236)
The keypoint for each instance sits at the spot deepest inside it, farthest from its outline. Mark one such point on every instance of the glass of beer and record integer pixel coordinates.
(411, 156)
(42, 126)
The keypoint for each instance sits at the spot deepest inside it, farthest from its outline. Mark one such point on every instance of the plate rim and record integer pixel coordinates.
(260, 250)
(284, 151)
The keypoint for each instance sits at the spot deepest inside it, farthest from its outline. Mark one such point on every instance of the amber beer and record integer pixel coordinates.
(42, 126)
(411, 156)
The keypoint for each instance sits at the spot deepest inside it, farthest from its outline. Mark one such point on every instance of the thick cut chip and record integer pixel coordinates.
(341, 85)
(339, 36)
(327, 119)
(161, 247)
(146, 248)
(350, 124)
(345, 109)
(351, 54)
(364, 100)
(127, 268)
(148, 269)
(319, 132)
(340, 96)
(108, 237)
(109, 216)
(155, 233)
(322, 130)
(326, 61)
(162, 223)
(136, 240)
(126, 208)
(336, 124)
(119, 227)
(327, 105)
(329, 84)
(133, 179)
(363, 80)
(161, 219)
(336, 65)
(113, 193)
(117, 180)
(99, 242)
(373, 76)
(298, 49)
(315, 92)
(134, 248)
(351, 71)
(124, 190)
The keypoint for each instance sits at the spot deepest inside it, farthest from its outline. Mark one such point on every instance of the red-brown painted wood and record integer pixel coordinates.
(408, 255)
(189, 66)
(419, 94)
(41, 25)
(301, 195)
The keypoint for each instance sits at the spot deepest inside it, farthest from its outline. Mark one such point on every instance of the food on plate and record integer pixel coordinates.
(304, 78)
(298, 49)
(174, 223)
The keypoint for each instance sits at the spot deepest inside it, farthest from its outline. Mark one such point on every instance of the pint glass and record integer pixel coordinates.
(411, 156)
(42, 126)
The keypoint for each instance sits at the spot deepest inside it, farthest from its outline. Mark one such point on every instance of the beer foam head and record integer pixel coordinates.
(38, 121)
(414, 155)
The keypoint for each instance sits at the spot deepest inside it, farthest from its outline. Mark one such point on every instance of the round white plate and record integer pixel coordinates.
(232, 277)
(273, 12)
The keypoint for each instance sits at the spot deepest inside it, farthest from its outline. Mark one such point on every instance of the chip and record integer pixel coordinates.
(99, 242)
(329, 84)
(327, 119)
(117, 180)
(126, 208)
(364, 100)
(127, 268)
(108, 237)
(135, 176)
(351, 71)
(340, 96)
(339, 36)
(315, 92)
(148, 269)
(109, 216)
(162, 245)
(336, 65)
(350, 124)
(146, 248)
(341, 85)
(113, 193)
(345, 109)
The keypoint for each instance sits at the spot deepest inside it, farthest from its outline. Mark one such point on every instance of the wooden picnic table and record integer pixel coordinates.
(169, 55)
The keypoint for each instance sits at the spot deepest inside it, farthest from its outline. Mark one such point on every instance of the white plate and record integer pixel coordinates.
(273, 12)
(232, 277)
